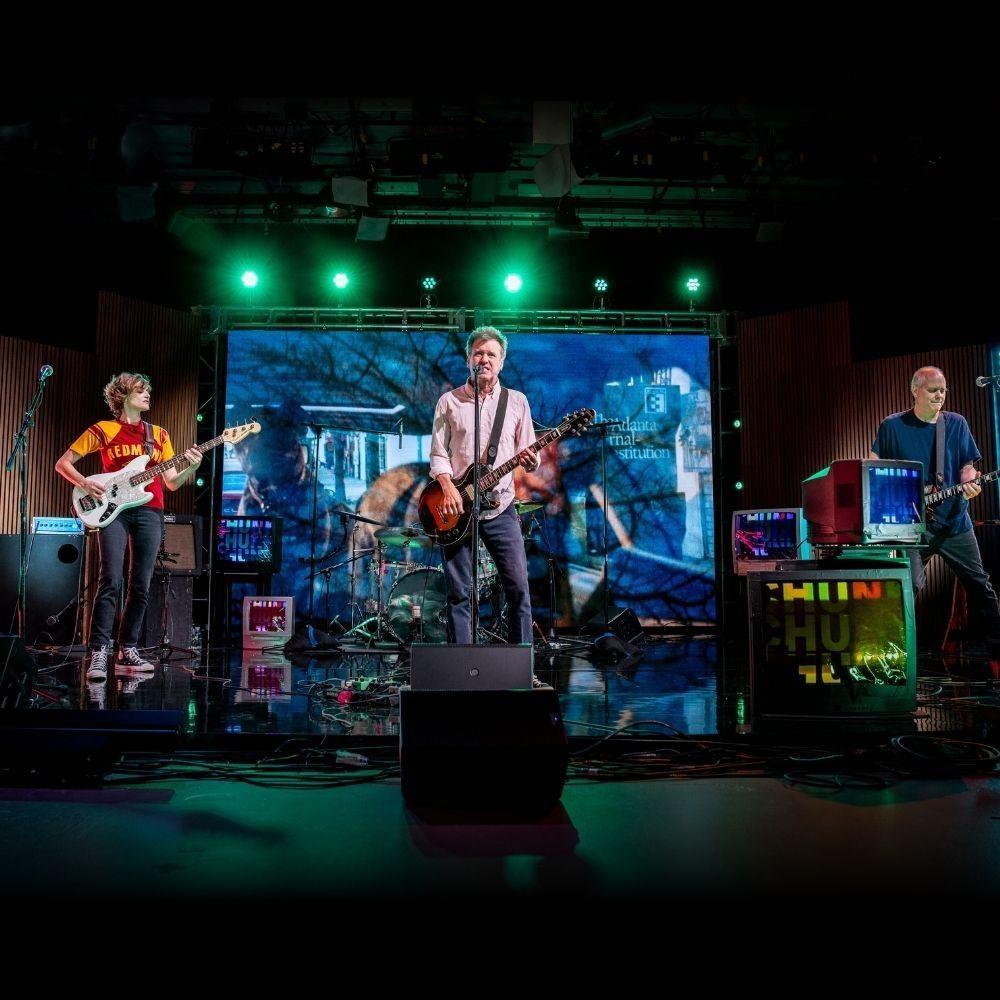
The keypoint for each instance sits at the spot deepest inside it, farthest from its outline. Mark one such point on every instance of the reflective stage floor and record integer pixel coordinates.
(694, 684)
(260, 801)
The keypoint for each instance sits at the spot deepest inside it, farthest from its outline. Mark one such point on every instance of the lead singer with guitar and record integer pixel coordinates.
(140, 528)
(911, 436)
(452, 454)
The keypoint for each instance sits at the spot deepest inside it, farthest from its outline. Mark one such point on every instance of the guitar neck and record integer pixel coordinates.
(177, 462)
(493, 477)
(952, 491)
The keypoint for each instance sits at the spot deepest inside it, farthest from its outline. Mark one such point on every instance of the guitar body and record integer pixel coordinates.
(447, 529)
(126, 487)
(119, 495)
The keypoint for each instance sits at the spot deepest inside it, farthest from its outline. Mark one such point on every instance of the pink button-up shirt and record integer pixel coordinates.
(453, 435)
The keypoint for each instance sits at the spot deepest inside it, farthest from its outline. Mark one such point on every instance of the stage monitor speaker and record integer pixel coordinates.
(182, 540)
(175, 595)
(482, 749)
(621, 622)
(52, 586)
(471, 668)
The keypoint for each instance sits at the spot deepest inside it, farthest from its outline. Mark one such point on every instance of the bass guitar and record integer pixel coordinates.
(937, 496)
(126, 487)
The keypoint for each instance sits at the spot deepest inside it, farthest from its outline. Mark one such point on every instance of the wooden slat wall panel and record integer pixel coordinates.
(64, 412)
(133, 335)
(162, 343)
(804, 404)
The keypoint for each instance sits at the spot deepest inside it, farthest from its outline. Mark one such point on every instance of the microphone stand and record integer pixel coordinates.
(476, 507)
(19, 453)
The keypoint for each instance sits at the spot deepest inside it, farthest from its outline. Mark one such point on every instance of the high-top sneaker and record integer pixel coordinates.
(129, 657)
(98, 668)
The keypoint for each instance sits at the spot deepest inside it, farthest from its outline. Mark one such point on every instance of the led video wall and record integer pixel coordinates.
(346, 421)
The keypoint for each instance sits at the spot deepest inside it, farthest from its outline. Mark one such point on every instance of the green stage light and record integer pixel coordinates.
(738, 484)
(600, 285)
(693, 285)
(200, 417)
(250, 279)
(737, 424)
(340, 280)
(199, 482)
(429, 283)
(513, 283)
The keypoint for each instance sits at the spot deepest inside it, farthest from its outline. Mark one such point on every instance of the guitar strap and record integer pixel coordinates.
(148, 430)
(939, 435)
(491, 451)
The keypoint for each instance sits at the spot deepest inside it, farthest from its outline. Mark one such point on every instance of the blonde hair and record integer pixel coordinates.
(121, 387)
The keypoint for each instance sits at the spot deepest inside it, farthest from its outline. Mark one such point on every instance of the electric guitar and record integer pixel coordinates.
(126, 487)
(447, 529)
(936, 496)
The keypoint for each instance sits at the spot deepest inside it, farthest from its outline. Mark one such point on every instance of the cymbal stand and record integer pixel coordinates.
(553, 641)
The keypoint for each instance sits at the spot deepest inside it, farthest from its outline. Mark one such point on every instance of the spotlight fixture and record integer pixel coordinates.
(249, 279)
(600, 285)
(513, 283)
(427, 298)
(340, 280)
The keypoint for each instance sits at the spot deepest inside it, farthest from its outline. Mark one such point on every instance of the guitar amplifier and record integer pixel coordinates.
(182, 539)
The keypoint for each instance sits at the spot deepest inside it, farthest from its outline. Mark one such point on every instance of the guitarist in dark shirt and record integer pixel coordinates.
(911, 436)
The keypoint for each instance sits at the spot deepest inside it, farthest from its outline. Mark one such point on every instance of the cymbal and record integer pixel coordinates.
(527, 506)
(413, 537)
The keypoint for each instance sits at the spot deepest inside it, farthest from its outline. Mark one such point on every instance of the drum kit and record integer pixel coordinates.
(407, 600)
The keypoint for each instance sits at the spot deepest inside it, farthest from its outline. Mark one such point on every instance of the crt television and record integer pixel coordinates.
(865, 502)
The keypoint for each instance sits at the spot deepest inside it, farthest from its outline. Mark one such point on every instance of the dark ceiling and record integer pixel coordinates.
(727, 150)
(795, 182)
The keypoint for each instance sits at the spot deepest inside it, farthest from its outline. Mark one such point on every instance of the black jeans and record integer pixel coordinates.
(140, 530)
(502, 537)
(961, 553)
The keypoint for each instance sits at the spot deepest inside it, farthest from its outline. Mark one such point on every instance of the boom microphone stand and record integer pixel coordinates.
(20, 451)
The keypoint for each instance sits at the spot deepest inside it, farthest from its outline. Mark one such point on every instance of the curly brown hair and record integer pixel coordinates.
(121, 387)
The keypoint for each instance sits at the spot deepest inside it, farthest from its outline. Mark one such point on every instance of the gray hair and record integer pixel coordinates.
(486, 333)
(922, 375)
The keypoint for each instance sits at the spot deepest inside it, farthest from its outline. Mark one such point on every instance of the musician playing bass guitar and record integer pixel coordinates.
(452, 454)
(119, 441)
(912, 436)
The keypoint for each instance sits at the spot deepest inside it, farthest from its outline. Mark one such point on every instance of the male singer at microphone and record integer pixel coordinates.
(911, 436)
(452, 452)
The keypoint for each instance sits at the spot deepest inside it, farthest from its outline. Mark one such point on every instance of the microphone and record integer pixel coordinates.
(985, 380)
(477, 369)
(401, 434)
(46, 371)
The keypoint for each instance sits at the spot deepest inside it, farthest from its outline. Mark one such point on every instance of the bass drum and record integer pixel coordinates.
(424, 589)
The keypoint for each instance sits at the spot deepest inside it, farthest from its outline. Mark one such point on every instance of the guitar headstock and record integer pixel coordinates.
(237, 433)
(578, 421)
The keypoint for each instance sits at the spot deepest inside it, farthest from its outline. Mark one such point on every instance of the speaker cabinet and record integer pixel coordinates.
(182, 537)
(52, 585)
(622, 623)
(171, 600)
(482, 749)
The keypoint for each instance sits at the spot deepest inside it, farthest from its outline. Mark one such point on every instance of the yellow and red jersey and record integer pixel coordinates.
(120, 443)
